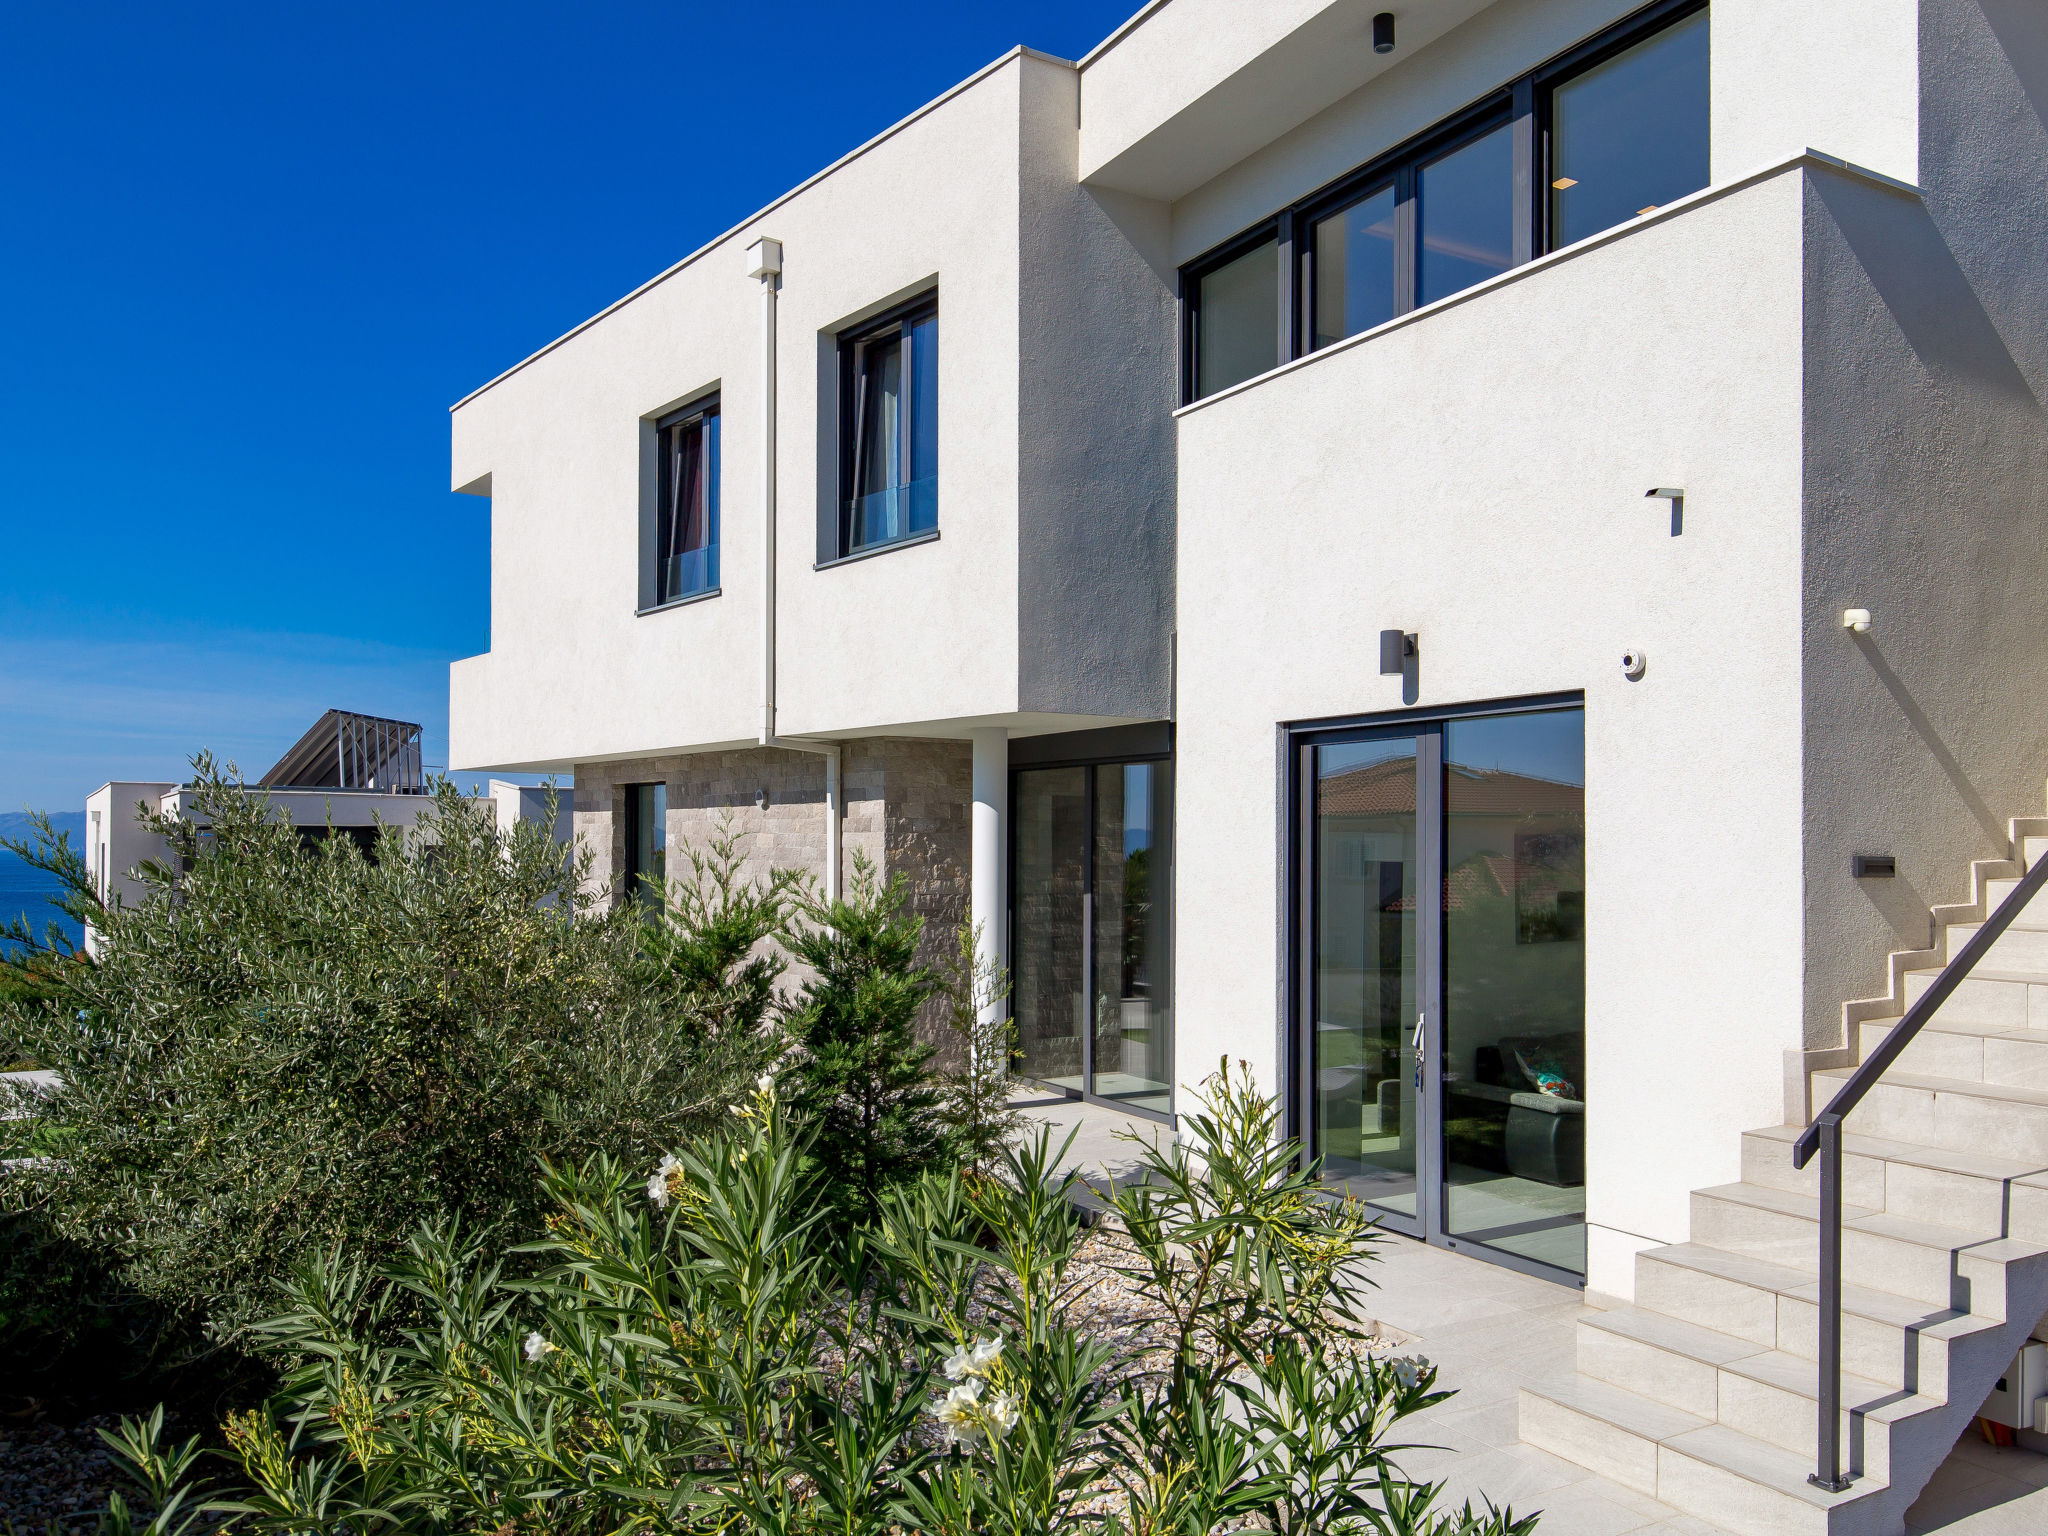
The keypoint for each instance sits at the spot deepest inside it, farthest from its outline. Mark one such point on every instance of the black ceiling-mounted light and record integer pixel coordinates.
(1383, 32)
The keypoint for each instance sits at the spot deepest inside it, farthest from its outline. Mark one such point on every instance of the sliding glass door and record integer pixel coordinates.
(1091, 942)
(1441, 1044)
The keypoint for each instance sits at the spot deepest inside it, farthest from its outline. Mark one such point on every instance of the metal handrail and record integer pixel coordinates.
(1824, 1136)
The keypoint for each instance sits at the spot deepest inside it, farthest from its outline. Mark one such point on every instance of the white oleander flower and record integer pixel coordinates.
(958, 1364)
(960, 1411)
(1408, 1369)
(1002, 1412)
(986, 1353)
(536, 1346)
(766, 1083)
(657, 1182)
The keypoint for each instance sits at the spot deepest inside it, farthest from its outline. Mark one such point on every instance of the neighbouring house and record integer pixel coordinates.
(347, 776)
(1479, 558)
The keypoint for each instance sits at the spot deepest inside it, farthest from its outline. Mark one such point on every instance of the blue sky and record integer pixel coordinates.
(250, 255)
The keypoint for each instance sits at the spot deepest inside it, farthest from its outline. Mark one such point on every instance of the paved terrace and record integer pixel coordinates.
(1492, 1329)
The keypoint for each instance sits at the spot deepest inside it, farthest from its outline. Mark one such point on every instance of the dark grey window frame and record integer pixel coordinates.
(1110, 747)
(1523, 103)
(834, 530)
(653, 599)
(1297, 870)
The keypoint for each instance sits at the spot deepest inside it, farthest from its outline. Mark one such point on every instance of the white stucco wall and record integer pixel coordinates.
(1477, 476)
(915, 634)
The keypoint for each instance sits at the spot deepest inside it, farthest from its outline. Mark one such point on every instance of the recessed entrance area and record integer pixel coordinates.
(1439, 931)
(1091, 866)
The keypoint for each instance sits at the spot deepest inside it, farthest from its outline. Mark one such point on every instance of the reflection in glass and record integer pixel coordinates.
(1630, 135)
(1133, 973)
(896, 442)
(1365, 1002)
(686, 524)
(1051, 875)
(1514, 914)
(647, 843)
(1467, 215)
(1354, 264)
(1237, 326)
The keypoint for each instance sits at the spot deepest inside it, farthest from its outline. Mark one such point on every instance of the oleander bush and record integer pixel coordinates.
(713, 1347)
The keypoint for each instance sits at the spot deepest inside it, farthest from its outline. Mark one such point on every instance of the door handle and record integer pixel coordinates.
(1421, 1048)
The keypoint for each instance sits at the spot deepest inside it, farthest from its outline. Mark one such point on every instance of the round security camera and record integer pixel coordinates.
(1634, 663)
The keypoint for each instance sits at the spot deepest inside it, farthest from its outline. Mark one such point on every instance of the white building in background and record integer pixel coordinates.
(1329, 532)
(349, 775)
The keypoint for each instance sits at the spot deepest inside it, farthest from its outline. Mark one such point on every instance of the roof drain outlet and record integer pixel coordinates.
(764, 261)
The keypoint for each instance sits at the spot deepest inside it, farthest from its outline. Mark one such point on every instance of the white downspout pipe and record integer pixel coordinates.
(764, 261)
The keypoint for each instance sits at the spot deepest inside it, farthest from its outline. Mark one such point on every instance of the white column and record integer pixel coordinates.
(991, 811)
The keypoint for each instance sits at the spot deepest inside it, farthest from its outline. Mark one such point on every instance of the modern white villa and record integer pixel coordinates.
(1484, 558)
(348, 776)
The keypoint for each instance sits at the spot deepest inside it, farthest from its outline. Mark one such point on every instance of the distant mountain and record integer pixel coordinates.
(17, 824)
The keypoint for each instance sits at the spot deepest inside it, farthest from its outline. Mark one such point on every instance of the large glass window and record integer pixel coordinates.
(889, 378)
(1466, 210)
(1092, 945)
(1355, 267)
(1616, 128)
(646, 871)
(686, 511)
(1237, 320)
(1630, 134)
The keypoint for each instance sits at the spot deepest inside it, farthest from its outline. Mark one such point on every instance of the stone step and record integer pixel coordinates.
(1967, 1050)
(2033, 915)
(1703, 1469)
(2020, 948)
(2008, 999)
(1926, 1184)
(1941, 1266)
(1766, 1394)
(1887, 1339)
(1946, 1112)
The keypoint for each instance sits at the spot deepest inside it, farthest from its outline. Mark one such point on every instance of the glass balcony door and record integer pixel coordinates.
(1440, 1058)
(1091, 943)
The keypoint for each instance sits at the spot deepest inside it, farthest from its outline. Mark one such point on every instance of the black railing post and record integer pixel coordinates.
(1829, 1475)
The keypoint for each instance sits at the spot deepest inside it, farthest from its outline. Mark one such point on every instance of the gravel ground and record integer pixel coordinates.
(50, 1472)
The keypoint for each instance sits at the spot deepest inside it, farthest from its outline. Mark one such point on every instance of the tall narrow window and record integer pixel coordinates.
(1630, 134)
(889, 417)
(686, 515)
(646, 829)
(1237, 319)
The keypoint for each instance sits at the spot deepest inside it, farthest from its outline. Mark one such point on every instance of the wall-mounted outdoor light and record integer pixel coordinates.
(1383, 32)
(1675, 494)
(1635, 661)
(1396, 648)
(1873, 866)
(1856, 620)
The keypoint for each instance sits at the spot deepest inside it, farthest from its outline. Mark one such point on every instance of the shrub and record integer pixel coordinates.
(712, 1352)
(861, 1079)
(279, 1049)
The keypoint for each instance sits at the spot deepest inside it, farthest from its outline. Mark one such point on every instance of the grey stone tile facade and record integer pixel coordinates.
(907, 809)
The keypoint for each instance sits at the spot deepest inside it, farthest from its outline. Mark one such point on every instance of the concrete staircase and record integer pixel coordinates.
(1703, 1392)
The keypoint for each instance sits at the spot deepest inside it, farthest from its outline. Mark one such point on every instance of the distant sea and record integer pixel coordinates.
(25, 889)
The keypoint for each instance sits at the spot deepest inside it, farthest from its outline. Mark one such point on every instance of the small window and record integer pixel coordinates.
(889, 429)
(646, 830)
(1630, 134)
(1237, 319)
(686, 506)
